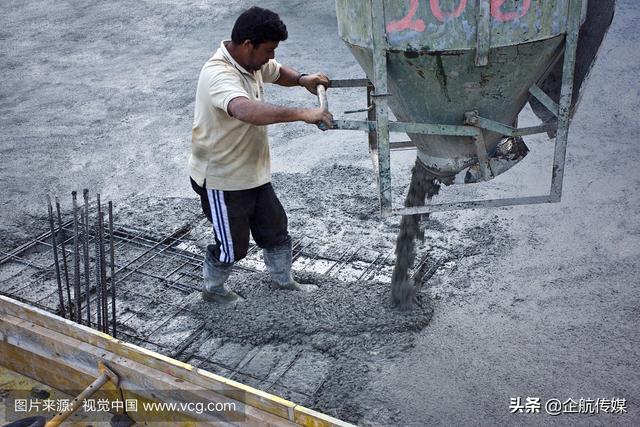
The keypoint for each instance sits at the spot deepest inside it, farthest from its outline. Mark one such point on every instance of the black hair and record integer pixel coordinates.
(258, 25)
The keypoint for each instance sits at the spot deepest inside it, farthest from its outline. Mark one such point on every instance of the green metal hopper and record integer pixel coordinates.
(456, 74)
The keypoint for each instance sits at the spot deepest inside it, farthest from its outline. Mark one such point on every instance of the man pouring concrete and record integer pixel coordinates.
(230, 162)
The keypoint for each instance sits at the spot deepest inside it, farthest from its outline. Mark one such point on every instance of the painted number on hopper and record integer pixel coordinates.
(411, 22)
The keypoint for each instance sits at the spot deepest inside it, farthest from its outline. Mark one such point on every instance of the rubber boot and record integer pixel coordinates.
(215, 275)
(278, 260)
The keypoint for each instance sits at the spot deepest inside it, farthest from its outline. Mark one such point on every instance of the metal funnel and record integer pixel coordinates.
(449, 57)
(456, 73)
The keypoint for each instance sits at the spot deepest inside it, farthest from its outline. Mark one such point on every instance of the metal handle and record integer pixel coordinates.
(322, 97)
(106, 374)
(324, 103)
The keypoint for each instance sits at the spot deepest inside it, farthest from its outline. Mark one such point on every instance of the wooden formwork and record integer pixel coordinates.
(64, 355)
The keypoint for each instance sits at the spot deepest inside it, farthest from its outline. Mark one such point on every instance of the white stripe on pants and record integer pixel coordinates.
(220, 221)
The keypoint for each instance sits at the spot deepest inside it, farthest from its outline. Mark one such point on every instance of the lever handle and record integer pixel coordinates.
(323, 102)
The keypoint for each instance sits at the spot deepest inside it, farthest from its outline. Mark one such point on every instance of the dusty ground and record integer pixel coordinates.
(538, 301)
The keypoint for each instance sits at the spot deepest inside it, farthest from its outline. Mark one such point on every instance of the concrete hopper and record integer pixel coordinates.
(456, 74)
(433, 74)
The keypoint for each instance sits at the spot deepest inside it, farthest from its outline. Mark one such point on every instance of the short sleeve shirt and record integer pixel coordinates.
(226, 153)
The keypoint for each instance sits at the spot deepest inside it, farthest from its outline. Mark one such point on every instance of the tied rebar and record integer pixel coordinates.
(55, 257)
(170, 262)
(99, 258)
(76, 258)
(64, 254)
(112, 263)
(85, 247)
(103, 268)
(98, 279)
(84, 229)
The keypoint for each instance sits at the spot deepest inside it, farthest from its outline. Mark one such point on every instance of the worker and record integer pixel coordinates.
(230, 161)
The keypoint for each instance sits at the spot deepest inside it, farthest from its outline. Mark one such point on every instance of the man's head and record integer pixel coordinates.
(256, 35)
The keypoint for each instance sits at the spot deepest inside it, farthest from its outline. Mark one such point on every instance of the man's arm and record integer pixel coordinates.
(261, 113)
(290, 77)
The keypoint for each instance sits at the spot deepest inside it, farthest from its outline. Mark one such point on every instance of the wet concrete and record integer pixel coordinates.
(423, 187)
(527, 301)
(318, 349)
(324, 342)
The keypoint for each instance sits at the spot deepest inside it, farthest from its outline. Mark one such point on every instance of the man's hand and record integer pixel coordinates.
(311, 82)
(316, 116)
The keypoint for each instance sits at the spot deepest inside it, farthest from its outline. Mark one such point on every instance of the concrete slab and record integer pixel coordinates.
(531, 302)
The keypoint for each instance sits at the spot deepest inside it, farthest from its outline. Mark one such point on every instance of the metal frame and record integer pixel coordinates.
(378, 125)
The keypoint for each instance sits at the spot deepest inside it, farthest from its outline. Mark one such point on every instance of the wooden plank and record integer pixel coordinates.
(38, 363)
(51, 372)
(77, 362)
(310, 418)
(257, 401)
(254, 397)
(15, 385)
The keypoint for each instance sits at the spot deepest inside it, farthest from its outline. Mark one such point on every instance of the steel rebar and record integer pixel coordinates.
(98, 279)
(64, 256)
(76, 258)
(103, 274)
(100, 265)
(82, 227)
(21, 260)
(87, 264)
(25, 246)
(113, 271)
(55, 257)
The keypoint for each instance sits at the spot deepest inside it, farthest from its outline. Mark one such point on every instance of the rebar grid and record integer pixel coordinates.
(265, 383)
(163, 261)
(185, 264)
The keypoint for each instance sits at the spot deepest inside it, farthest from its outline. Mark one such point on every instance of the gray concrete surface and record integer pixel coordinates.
(540, 301)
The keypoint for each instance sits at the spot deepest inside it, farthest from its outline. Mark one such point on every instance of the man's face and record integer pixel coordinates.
(261, 54)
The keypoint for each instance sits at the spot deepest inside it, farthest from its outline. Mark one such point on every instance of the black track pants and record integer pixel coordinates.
(234, 214)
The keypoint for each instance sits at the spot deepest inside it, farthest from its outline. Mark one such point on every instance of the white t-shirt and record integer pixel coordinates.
(229, 154)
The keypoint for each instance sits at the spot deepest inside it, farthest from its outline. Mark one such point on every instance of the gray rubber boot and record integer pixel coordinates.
(278, 261)
(215, 275)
